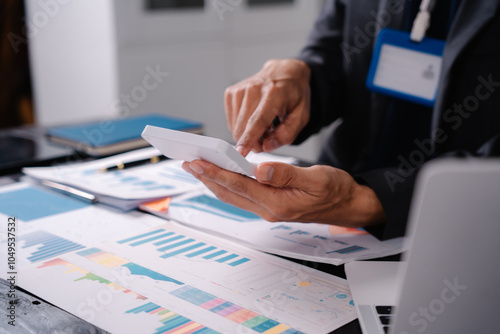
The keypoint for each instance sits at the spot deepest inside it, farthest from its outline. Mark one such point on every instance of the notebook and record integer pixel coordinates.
(110, 136)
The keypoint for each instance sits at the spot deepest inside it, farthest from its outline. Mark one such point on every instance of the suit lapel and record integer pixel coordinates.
(471, 17)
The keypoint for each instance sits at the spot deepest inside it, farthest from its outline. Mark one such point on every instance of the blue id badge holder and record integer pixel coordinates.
(405, 69)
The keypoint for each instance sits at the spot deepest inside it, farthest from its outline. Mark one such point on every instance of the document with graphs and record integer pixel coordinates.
(173, 279)
(306, 241)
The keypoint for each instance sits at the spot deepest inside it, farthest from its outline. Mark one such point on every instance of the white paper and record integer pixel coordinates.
(165, 178)
(58, 233)
(111, 284)
(306, 241)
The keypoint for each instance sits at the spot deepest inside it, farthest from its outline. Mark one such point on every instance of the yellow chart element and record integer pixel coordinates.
(277, 329)
(305, 283)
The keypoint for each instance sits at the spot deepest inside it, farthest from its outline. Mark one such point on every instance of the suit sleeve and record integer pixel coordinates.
(324, 57)
(394, 189)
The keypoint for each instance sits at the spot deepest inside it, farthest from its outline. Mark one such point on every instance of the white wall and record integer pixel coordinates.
(72, 46)
(206, 51)
(90, 58)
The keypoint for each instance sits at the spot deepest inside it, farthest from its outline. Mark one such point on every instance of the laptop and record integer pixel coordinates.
(449, 279)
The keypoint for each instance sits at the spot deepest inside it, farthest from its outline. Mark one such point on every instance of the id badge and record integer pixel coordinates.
(404, 69)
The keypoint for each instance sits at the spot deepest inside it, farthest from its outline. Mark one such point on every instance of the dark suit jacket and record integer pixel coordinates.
(465, 118)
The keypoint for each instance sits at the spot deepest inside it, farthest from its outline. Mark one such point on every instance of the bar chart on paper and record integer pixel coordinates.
(310, 242)
(170, 276)
(42, 245)
(217, 306)
(213, 206)
(106, 303)
(171, 244)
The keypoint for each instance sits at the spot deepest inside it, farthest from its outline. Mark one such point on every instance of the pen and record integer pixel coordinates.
(70, 191)
(120, 166)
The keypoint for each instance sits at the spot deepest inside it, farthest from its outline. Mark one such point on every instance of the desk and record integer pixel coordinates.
(35, 315)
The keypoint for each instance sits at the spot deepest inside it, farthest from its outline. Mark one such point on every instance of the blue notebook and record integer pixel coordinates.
(113, 136)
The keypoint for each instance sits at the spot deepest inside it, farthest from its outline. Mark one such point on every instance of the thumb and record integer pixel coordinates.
(279, 174)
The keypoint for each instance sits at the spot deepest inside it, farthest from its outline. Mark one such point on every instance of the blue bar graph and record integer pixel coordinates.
(141, 308)
(52, 245)
(193, 295)
(140, 236)
(89, 251)
(201, 251)
(174, 323)
(221, 307)
(183, 250)
(227, 258)
(152, 308)
(224, 207)
(238, 262)
(171, 245)
(205, 331)
(292, 331)
(180, 243)
(211, 256)
(261, 328)
(166, 241)
(144, 241)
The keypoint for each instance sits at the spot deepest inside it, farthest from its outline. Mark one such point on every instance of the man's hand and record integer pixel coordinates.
(281, 192)
(279, 90)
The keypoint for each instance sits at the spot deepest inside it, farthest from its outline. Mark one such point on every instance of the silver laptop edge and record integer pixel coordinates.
(449, 280)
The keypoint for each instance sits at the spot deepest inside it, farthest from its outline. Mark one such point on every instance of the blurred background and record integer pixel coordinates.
(70, 61)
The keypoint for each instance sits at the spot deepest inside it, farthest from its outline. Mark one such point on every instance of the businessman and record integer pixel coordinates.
(367, 169)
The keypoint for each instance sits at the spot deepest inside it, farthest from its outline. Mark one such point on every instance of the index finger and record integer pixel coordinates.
(269, 107)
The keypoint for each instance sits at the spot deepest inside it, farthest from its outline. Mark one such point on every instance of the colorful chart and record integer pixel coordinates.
(88, 276)
(171, 244)
(171, 321)
(228, 310)
(185, 292)
(112, 261)
(51, 245)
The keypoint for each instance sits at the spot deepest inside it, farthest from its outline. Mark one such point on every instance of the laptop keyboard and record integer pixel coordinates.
(385, 316)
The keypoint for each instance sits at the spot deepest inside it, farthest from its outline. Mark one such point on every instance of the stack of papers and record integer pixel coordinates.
(166, 190)
(305, 241)
(124, 189)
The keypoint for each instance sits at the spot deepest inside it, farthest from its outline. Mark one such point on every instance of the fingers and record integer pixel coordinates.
(225, 193)
(233, 98)
(280, 88)
(234, 182)
(250, 102)
(261, 119)
(286, 132)
(229, 197)
(281, 175)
